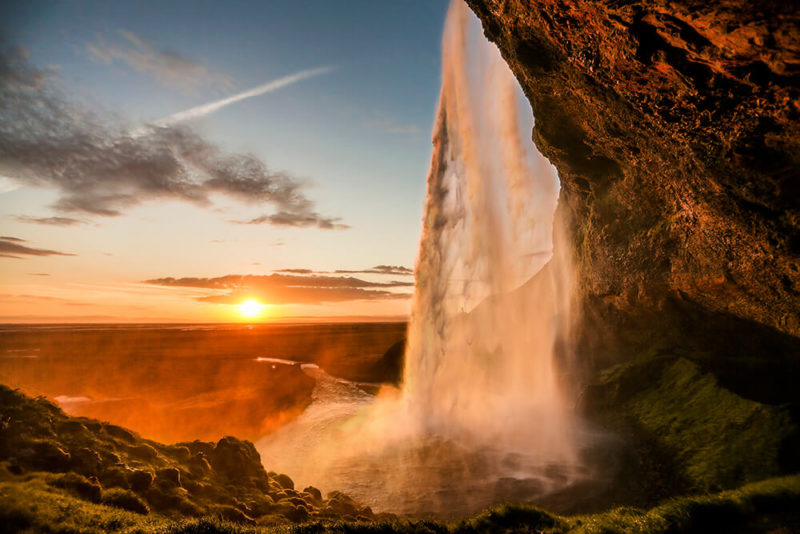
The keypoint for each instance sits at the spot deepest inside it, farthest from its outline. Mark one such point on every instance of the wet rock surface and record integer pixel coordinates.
(674, 127)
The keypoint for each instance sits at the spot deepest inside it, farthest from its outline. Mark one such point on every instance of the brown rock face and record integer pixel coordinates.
(674, 127)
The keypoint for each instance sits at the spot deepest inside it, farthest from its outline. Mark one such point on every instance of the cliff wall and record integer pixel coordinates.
(674, 127)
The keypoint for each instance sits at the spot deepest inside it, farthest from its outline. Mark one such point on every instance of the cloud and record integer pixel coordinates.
(287, 288)
(297, 220)
(27, 298)
(394, 270)
(12, 247)
(101, 169)
(388, 125)
(166, 67)
(52, 221)
(211, 107)
(7, 184)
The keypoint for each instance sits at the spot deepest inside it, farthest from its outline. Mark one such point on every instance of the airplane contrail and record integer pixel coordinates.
(211, 107)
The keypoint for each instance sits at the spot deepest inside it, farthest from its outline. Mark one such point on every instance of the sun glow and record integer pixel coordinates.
(250, 308)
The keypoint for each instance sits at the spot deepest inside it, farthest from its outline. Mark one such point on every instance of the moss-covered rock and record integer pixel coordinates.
(704, 436)
(78, 485)
(126, 500)
(110, 464)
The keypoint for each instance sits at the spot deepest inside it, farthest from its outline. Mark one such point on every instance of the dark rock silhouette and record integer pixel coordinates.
(390, 367)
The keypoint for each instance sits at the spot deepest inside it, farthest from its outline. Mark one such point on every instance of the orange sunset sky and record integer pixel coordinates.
(154, 169)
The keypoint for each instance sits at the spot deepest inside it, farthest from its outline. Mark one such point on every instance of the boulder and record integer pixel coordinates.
(143, 452)
(78, 485)
(126, 500)
(46, 455)
(140, 480)
(236, 460)
(168, 476)
(284, 481)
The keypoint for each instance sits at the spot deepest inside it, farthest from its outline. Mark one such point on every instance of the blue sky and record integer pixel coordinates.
(357, 137)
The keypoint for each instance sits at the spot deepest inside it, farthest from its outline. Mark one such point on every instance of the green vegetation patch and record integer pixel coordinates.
(30, 503)
(75, 461)
(715, 438)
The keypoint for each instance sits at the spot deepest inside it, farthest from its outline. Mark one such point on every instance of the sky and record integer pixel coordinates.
(170, 161)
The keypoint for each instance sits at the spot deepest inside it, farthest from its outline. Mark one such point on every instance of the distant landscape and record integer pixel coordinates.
(181, 382)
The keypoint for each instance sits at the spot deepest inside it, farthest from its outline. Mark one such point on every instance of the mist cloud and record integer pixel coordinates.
(12, 247)
(287, 288)
(101, 169)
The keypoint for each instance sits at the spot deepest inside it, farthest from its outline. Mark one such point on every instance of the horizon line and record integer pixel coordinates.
(283, 320)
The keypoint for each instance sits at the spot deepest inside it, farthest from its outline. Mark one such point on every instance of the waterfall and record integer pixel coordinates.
(481, 417)
(483, 332)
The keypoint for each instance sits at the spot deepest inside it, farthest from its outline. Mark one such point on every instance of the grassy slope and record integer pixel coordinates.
(691, 435)
(716, 438)
(61, 465)
(29, 502)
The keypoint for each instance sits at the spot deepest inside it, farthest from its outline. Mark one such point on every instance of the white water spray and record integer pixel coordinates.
(481, 417)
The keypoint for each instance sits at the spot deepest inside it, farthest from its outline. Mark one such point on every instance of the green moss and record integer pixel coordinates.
(78, 485)
(512, 518)
(125, 499)
(716, 438)
(30, 503)
(750, 508)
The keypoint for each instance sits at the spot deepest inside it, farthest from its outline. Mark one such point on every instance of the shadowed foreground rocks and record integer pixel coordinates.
(103, 463)
(67, 474)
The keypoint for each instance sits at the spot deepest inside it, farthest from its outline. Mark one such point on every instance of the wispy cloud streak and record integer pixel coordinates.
(12, 247)
(211, 107)
(51, 221)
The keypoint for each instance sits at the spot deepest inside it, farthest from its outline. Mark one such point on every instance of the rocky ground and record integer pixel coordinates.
(106, 464)
(686, 438)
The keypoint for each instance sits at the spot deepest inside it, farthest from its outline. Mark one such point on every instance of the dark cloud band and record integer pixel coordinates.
(288, 288)
(50, 221)
(12, 247)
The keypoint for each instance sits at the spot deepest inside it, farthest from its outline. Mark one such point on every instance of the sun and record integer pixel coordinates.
(250, 308)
